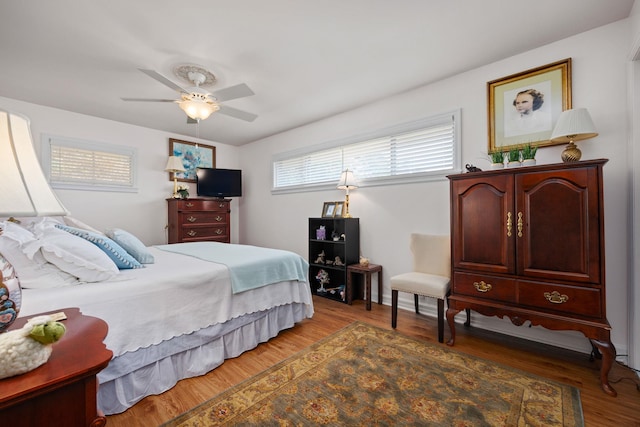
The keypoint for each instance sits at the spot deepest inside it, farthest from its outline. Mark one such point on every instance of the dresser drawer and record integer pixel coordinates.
(203, 217)
(203, 205)
(484, 286)
(216, 232)
(566, 299)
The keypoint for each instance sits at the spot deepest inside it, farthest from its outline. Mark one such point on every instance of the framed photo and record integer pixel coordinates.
(194, 155)
(339, 210)
(523, 108)
(329, 209)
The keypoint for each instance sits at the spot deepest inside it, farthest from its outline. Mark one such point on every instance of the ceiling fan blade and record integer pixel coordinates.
(233, 92)
(238, 114)
(148, 100)
(162, 79)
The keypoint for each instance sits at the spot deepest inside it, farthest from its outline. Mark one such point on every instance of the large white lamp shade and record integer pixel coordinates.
(573, 125)
(24, 190)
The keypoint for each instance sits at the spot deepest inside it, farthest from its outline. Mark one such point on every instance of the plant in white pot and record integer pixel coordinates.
(513, 157)
(497, 159)
(529, 155)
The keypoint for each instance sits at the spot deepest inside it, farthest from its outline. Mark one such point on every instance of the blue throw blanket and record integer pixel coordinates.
(250, 267)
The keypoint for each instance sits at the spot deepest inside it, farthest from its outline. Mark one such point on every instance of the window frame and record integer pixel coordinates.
(47, 141)
(386, 132)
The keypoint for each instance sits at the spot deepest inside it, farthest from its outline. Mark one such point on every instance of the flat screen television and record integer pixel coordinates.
(220, 183)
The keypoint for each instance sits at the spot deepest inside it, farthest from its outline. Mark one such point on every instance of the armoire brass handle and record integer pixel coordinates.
(519, 224)
(555, 297)
(482, 286)
(509, 224)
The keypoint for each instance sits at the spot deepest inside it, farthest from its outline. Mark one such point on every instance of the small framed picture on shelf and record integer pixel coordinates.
(339, 209)
(329, 209)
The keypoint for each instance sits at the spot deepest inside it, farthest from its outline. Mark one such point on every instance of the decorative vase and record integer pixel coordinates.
(529, 162)
(513, 164)
(10, 295)
(497, 165)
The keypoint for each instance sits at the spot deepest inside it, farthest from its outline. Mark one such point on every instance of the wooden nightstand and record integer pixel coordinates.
(366, 271)
(62, 392)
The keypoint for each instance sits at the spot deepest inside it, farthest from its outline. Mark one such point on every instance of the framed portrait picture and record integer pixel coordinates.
(523, 108)
(194, 155)
(339, 210)
(329, 209)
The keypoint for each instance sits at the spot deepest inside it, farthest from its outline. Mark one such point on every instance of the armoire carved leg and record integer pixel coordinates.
(451, 314)
(608, 352)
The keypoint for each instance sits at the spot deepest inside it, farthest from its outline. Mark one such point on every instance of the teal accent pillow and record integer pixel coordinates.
(131, 244)
(117, 253)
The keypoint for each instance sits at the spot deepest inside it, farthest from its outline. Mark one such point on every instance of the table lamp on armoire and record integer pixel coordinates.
(25, 192)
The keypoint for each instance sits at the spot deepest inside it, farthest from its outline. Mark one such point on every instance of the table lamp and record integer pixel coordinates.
(573, 125)
(174, 165)
(347, 182)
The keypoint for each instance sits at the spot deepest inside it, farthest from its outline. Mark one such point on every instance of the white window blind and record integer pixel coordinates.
(417, 151)
(73, 164)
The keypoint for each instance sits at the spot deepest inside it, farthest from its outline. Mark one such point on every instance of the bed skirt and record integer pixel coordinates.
(153, 370)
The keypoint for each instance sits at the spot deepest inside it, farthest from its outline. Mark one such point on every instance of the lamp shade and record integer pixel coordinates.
(347, 181)
(197, 109)
(24, 187)
(574, 125)
(174, 164)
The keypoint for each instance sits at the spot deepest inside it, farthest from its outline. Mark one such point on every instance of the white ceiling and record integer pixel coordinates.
(305, 60)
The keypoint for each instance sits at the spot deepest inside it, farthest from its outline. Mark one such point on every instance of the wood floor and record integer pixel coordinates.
(557, 364)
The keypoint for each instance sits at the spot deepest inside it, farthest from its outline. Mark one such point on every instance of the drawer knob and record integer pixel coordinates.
(218, 218)
(192, 233)
(218, 231)
(189, 205)
(482, 286)
(221, 205)
(192, 219)
(555, 297)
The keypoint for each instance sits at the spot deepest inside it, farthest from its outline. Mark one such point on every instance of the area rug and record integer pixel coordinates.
(367, 376)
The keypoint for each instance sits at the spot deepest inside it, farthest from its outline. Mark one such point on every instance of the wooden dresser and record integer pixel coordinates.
(528, 243)
(62, 392)
(199, 219)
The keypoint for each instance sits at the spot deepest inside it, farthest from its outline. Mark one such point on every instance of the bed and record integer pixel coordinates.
(182, 315)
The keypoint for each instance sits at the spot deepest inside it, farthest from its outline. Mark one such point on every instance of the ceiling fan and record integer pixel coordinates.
(197, 102)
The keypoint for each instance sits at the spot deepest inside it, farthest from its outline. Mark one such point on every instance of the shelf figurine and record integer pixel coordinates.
(338, 261)
(320, 259)
(323, 278)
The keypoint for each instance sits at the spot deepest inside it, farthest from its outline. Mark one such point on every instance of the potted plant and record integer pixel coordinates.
(513, 157)
(529, 155)
(497, 159)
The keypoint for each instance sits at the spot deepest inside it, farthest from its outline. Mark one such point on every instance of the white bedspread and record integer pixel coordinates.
(176, 295)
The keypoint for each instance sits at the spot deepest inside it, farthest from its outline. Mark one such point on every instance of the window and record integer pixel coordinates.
(424, 150)
(83, 165)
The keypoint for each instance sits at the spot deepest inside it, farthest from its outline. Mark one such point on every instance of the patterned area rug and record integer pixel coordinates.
(367, 376)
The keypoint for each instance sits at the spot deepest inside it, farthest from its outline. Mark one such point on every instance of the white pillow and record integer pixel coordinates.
(72, 254)
(35, 272)
(132, 245)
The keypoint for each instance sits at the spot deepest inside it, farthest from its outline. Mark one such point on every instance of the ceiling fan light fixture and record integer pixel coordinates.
(197, 109)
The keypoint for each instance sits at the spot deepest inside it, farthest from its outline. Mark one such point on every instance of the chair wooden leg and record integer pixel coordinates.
(415, 300)
(440, 320)
(394, 308)
(468, 322)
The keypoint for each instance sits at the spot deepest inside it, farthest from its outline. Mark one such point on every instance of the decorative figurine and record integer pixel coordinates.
(335, 236)
(321, 233)
(323, 278)
(320, 259)
(364, 261)
(471, 168)
(338, 261)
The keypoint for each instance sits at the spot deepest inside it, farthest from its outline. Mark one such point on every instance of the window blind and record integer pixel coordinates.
(85, 165)
(420, 150)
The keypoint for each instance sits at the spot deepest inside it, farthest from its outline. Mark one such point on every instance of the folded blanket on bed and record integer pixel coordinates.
(250, 267)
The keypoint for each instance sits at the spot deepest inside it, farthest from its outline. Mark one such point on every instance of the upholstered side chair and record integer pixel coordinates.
(431, 276)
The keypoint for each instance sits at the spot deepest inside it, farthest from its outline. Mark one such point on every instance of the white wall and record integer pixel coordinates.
(144, 213)
(389, 214)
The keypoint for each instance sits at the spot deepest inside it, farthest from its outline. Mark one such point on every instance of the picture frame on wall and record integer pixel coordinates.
(523, 108)
(329, 209)
(194, 155)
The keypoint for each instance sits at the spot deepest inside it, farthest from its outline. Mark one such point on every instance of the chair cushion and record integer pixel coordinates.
(430, 285)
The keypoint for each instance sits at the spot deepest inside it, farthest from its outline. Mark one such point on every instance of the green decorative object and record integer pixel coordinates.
(529, 152)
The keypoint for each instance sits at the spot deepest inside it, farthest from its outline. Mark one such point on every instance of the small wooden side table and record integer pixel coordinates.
(366, 271)
(62, 392)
